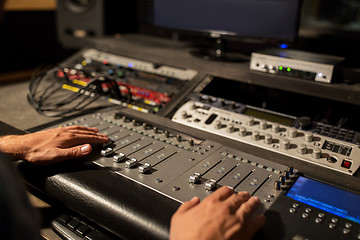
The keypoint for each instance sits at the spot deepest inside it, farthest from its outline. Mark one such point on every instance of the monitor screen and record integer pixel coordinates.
(269, 19)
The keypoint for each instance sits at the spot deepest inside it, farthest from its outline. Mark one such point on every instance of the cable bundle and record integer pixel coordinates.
(63, 91)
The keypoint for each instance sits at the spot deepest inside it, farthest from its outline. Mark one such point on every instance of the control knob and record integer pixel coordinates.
(255, 135)
(302, 149)
(195, 178)
(316, 153)
(251, 121)
(210, 185)
(263, 124)
(275, 127)
(308, 137)
(242, 131)
(304, 123)
(268, 139)
(285, 144)
(293, 132)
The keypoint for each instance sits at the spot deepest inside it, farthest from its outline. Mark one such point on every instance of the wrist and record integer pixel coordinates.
(13, 146)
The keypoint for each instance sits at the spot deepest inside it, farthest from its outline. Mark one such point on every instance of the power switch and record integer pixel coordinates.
(346, 164)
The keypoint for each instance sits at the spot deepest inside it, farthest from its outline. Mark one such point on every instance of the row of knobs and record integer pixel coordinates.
(268, 139)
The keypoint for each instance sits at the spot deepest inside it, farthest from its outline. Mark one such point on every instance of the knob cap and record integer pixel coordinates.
(304, 123)
(275, 128)
(285, 144)
(268, 139)
(316, 153)
(256, 135)
(308, 137)
(218, 124)
(302, 149)
(292, 132)
(251, 121)
(242, 131)
(263, 124)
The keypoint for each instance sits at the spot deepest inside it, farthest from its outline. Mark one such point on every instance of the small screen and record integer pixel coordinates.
(325, 197)
(269, 117)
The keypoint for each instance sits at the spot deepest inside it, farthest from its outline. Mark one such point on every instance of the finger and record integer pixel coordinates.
(247, 209)
(92, 129)
(254, 225)
(221, 194)
(188, 205)
(237, 199)
(74, 152)
(84, 138)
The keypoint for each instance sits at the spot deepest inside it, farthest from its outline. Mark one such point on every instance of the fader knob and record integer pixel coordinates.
(275, 127)
(210, 185)
(316, 153)
(308, 137)
(242, 131)
(285, 144)
(302, 149)
(292, 132)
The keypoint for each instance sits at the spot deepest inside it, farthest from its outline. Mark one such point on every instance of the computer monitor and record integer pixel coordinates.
(274, 20)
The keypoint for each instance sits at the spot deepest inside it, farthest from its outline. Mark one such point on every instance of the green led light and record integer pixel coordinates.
(280, 68)
(288, 69)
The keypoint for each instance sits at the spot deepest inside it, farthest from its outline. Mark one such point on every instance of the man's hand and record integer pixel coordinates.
(222, 215)
(53, 145)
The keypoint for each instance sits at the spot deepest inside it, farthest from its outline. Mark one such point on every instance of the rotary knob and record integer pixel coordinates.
(316, 153)
(218, 124)
(275, 128)
(255, 135)
(250, 121)
(308, 137)
(263, 124)
(242, 131)
(231, 128)
(268, 139)
(285, 144)
(302, 149)
(293, 132)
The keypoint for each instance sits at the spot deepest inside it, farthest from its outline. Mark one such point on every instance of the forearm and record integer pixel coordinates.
(14, 146)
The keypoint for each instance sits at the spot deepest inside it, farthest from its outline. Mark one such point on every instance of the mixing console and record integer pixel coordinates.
(180, 166)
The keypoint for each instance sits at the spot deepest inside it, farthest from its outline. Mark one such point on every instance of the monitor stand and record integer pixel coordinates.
(219, 52)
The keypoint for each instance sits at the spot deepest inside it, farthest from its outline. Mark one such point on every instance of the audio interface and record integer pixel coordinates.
(294, 63)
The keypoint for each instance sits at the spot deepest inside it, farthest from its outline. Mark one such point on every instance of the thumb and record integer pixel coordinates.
(188, 204)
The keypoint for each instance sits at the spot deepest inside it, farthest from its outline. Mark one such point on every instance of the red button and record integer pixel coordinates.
(346, 164)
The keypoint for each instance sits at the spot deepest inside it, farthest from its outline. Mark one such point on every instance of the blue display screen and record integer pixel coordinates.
(328, 198)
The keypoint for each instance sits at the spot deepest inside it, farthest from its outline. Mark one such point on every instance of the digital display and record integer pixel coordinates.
(325, 197)
(287, 121)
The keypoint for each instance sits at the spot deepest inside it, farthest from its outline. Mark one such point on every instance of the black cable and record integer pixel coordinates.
(47, 95)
